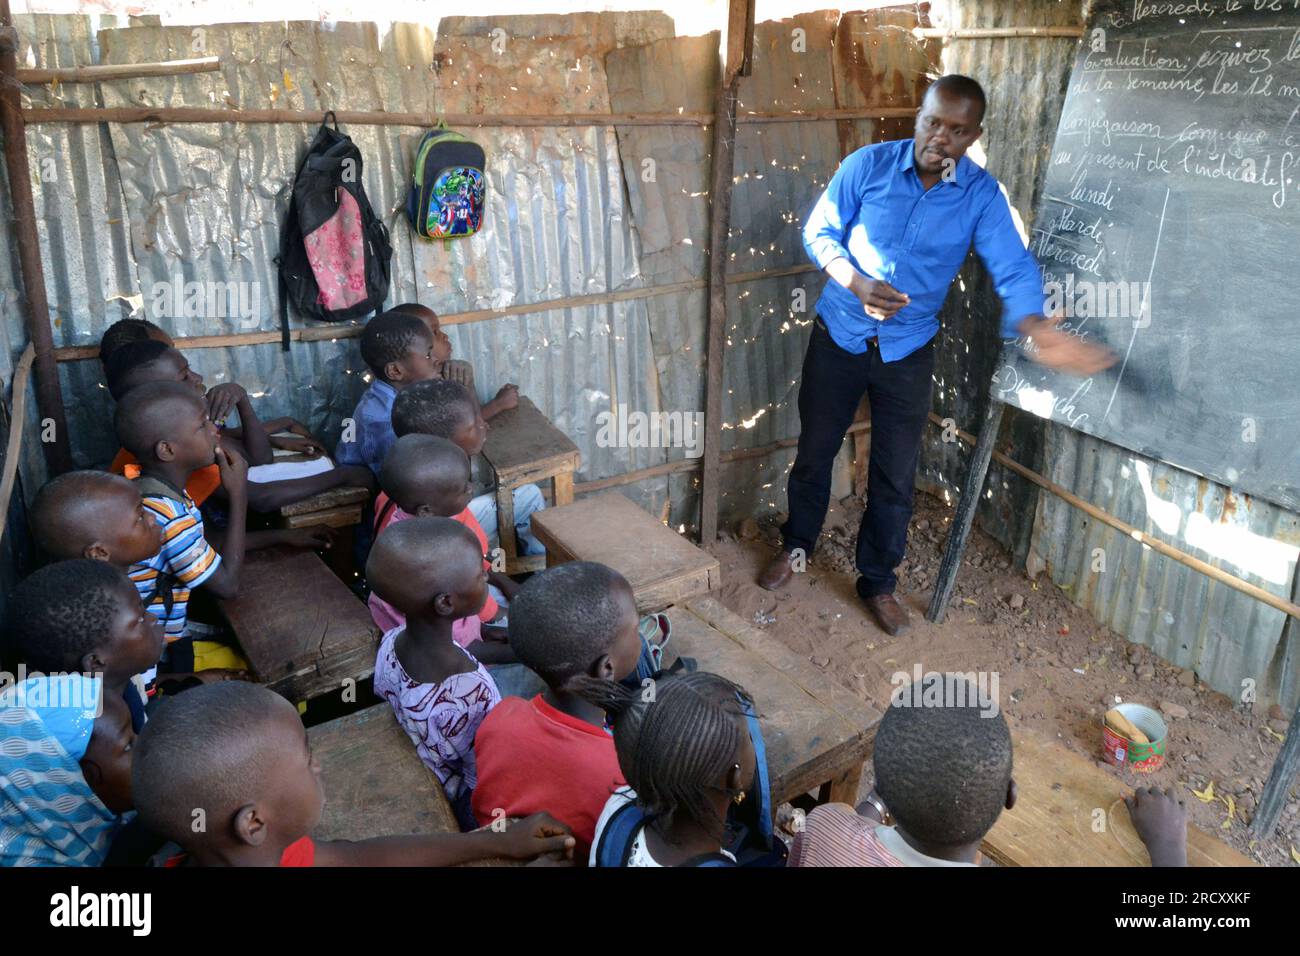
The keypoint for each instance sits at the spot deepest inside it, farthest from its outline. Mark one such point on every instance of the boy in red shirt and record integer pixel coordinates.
(569, 624)
(241, 753)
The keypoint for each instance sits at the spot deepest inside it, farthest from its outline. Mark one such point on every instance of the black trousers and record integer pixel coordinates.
(832, 386)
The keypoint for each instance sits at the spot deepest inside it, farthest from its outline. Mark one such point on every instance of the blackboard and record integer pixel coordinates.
(1169, 230)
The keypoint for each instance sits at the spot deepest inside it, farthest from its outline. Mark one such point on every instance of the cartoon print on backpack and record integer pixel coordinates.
(459, 206)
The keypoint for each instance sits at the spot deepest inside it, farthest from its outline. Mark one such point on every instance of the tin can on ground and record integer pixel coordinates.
(1140, 758)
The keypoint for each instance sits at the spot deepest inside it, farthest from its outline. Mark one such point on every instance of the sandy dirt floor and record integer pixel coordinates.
(1058, 669)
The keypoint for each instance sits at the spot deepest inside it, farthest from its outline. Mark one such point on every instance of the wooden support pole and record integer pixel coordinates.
(1286, 767)
(966, 506)
(322, 333)
(204, 114)
(49, 397)
(740, 14)
(120, 71)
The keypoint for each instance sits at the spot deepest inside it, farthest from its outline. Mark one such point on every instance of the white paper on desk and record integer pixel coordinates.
(284, 470)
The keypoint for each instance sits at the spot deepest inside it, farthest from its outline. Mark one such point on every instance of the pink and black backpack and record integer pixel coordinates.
(334, 252)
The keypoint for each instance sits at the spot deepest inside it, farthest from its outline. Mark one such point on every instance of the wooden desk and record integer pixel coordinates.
(663, 567)
(336, 508)
(817, 733)
(375, 783)
(523, 447)
(300, 627)
(1052, 822)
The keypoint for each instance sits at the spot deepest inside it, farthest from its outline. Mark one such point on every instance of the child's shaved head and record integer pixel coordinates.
(944, 771)
(219, 749)
(565, 618)
(437, 406)
(415, 563)
(423, 469)
(150, 413)
(93, 514)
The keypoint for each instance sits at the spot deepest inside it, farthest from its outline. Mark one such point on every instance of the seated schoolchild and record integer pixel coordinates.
(688, 756)
(240, 754)
(94, 514)
(448, 410)
(507, 396)
(399, 351)
(64, 791)
(165, 425)
(431, 571)
(287, 434)
(85, 616)
(424, 475)
(146, 361)
(569, 624)
(943, 777)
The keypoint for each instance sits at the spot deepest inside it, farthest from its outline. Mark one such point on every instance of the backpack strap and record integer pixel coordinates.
(763, 784)
(330, 117)
(389, 505)
(615, 846)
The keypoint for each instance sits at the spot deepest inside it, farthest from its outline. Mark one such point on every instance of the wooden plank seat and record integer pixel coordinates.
(302, 630)
(1054, 821)
(523, 447)
(818, 734)
(662, 566)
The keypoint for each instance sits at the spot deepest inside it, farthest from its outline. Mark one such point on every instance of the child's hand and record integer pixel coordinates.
(507, 397)
(462, 373)
(221, 399)
(317, 538)
(1160, 819)
(535, 835)
(233, 470)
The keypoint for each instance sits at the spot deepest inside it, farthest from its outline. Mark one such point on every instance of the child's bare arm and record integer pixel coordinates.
(269, 496)
(492, 652)
(523, 840)
(220, 400)
(224, 582)
(506, 585)
(1160, 819)
(506, 398)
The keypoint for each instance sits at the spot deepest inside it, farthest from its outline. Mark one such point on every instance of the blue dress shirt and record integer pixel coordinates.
(876, 213)
(373, 429)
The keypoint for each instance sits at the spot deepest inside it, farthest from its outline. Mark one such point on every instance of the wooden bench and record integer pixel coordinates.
(523, 447)
(662, 566)
(1052, 823)
(817, 733)
(300, 627)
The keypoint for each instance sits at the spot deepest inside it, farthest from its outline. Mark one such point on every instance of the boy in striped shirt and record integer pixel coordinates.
(166, 427)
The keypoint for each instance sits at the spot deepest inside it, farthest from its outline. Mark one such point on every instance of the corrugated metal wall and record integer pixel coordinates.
(578, 211)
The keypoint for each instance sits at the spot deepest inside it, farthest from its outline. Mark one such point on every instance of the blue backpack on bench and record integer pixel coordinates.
(749, 825)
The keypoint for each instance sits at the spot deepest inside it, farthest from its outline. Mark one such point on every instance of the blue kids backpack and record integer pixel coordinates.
(448, 185)
(749, 825)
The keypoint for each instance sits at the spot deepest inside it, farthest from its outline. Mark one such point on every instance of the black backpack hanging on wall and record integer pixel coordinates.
(334, 252)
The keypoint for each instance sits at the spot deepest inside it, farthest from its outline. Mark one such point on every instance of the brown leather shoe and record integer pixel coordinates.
(778, 572)
(891, 616)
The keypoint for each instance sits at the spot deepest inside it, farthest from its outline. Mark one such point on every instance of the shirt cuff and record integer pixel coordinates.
(1014, 311)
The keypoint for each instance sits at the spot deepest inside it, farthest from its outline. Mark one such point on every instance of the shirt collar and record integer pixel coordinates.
(907, 161)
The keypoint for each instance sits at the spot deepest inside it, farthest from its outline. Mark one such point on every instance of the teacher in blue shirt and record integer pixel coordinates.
(891, 231)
